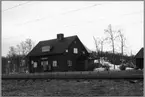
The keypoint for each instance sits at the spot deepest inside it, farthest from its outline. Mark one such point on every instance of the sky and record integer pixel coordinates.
(43, 20)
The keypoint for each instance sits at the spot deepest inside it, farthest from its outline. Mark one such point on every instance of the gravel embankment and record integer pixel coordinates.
(78, 87)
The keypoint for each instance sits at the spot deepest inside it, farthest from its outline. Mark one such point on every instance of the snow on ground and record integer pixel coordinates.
(128, 68)
(103, 62)
(99, 69)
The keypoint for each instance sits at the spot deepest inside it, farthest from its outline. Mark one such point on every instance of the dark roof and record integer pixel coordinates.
(57, 46)
(140, 53)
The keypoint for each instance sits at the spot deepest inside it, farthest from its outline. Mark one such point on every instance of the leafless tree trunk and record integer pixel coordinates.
(111, 38)
(101, 42)
(122, 40)
(96, 44)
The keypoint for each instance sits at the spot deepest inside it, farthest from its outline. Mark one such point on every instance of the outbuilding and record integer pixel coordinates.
(60, 54)
(139, 58)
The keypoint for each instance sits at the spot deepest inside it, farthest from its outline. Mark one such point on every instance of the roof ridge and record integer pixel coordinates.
(59, 47)
(56, 38)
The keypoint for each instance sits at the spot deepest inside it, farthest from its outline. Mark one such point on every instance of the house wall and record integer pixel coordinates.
(78, 60)
(60, 63)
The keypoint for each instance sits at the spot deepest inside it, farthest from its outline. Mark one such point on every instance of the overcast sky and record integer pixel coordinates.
(42, 20)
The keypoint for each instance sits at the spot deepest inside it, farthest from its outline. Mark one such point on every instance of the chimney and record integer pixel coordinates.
(60, 36)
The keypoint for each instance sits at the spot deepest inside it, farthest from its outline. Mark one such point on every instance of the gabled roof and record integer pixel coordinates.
(140, 53)
(88, 50)
(57, 46)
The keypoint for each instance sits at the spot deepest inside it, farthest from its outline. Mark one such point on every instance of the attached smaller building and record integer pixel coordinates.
(139, 58)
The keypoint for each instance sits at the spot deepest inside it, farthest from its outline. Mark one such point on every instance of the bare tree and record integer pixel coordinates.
(25, 47)
(12, 51)
(101, 42)
(111, 37)
(122, 40)
(29, 45)
(18, 49)
(16, 55)
(96, 44)
(11, 56)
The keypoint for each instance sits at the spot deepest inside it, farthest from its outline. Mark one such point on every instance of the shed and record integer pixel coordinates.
(139, 58)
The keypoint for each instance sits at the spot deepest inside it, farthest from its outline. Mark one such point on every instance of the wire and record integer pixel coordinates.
(82, 8)
(138, 12)
(38, 19)
(15, 6)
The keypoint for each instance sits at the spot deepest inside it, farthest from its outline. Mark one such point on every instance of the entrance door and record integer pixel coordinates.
(44, 65)
(49, 67)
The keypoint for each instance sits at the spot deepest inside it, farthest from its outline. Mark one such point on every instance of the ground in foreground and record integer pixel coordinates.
(80, 87)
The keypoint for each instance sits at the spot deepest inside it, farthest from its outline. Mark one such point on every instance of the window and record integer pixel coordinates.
(22, 62)
(69, 62)
(44, 64)
(35, 65)
(32, 62)
(46, 48)
(54, 63)
(75, 50)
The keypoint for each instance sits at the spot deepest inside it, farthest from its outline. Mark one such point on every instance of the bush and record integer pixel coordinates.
(91, 67)
(122, 67)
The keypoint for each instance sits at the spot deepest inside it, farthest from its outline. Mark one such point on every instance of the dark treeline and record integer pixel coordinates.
(15, 61)
(13, 64)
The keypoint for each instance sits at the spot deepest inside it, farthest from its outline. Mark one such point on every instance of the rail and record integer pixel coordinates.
(128, 74)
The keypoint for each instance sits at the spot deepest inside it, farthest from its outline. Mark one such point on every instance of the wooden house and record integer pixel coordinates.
(139, 58)
(60, 54)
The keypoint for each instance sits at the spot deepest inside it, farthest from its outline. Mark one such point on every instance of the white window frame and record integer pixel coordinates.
(32, 62)
(35, 65)
(54, 64)
(75, 50)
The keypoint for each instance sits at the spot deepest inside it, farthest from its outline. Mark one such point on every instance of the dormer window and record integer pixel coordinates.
(46, 48)
(75, 50)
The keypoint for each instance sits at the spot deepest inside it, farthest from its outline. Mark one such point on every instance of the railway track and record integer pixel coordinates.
(128, 74)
